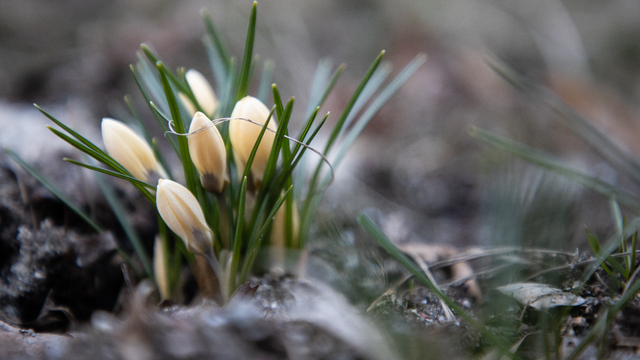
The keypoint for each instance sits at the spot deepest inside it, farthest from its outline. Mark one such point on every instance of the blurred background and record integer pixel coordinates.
(415, 165)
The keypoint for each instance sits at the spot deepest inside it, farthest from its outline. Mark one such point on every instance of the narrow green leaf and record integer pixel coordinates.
(318, 85)
(100, 156)
(599, 141)
(81, 138)
(278, 143)
(54, 190)
(255, 241)
(127, 226)
(280, 112)
(354, 98)
(157, 113)
(374, 83)
(374, 231)
(216, 39)
(265, 80)
(111, 173)
(149, 76)
(619, 223)
(189, 170)
(377, 104)
(243, 80)
(237, 241)
(164, 71)
(332, 83)
(548, 162)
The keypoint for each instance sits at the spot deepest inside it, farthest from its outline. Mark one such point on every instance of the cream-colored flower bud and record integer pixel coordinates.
(188, 105)
(243, 135)
(130, 150)
(203, 91)
(182, 213)
(208, 154)
(160, 268)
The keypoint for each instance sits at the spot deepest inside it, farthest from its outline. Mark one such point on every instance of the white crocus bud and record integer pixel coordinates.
(130, 150)
(208, 154)
(160, 268)
(243, 135)
(182, 213)
(203, 91)
(188, 105)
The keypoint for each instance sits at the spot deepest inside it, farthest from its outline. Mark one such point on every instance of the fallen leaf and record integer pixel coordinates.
(540, 296)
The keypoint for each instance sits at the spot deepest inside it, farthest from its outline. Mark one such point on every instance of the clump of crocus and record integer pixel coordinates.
(208, 154)
(243, 136)
(130, 150)
(182, 213)
(202, 91)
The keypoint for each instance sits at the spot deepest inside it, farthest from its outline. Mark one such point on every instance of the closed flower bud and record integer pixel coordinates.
(202, 91)
(130, 150)
(188, 105)
(243, 135)
(182, 213)
(208, 154)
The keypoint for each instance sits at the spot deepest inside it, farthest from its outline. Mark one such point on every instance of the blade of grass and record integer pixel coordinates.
(187, 165)
(280, 112)
(265, 80)
(155, 111)
(255, 241)
(619, 223)
(546, 161)
(161, 160)
(336, 130)
(216, 39)
(132, 110)
(243, 80)
(127, 226)
(318, 85)
(377, 104)
(374, 231)
(594, 243)
(163, 70)
(332, 83)
(54, 190)
(81, 138)
(278, 144)
(103, 158)
(376, 81)
(598, 140)
(237, 241)
(149, 76)
(111, 173)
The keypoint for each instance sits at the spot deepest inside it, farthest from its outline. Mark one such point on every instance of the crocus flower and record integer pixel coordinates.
(208, 154)
(130, 150)
(202, 91)
(243, 135)
(182, 213)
